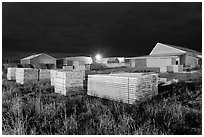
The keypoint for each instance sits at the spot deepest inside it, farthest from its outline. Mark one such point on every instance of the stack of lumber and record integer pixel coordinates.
(60, 82)
(170, 69)
(24, 75)
(11, 73)
(178, 68)
(68, 67)
(44, 74)
(163, 69)
(162, 80)
(76, 63)
(80, 68)
(74, 67)
(147, 87)
(127, 74)
(68, 80)
(175, 68)
(53, 74)
(125, 87)
(87, 67)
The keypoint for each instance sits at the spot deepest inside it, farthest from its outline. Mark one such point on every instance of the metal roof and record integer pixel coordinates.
(155, 56)
(31, 56)
(184, 49)
(36, 55)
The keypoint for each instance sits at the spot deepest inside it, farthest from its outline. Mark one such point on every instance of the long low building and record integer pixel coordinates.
(164, 55)
(67, 61)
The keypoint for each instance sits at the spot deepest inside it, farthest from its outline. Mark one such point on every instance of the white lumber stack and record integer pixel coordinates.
(127, 88)
(44, 74)
(175, 68)
(60, 82)
(11, 73)
(87, 67)
(162, 80)
(53, 74)
(24, 75)
(170, 69)
(68, 67)
(163, 69)
(65, 80)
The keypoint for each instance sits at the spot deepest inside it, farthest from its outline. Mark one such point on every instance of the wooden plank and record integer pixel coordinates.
(121, 88)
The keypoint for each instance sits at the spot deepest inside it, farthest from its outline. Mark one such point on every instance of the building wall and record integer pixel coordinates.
(174, 61)
(86, 60)
(162, 63)
(182, 59)
(43, 59)
(121, 59)
(191, 61)
(188, 61)
(132, 63)
(140, 62)
(159, 62)
(114, 65)
(25, 61)
(104, 60)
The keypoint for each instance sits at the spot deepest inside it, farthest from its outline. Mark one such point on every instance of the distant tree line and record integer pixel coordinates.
(10, 61)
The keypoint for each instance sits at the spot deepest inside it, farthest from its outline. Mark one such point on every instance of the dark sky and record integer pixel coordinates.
(113, 29)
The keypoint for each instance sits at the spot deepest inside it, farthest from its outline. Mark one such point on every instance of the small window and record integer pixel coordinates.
(177, 62)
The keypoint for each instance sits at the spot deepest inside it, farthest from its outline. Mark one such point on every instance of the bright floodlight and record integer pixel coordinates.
(98, 57)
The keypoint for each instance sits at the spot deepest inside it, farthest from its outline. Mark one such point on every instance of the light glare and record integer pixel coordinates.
(98, 57)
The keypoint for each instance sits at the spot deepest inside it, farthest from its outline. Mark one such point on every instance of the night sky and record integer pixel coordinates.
(113, 29)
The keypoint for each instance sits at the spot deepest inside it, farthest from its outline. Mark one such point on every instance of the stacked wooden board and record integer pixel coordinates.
(24, 75)
(44, 74)
(11, 73)
(175, 68)
(53, 73)
(68, 67)
(125, 87)
(67, 80)
(163, 69)
(87, 67)
(162, 80)
(60, 82)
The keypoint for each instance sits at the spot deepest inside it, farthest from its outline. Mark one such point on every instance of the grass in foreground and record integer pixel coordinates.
(34, 109)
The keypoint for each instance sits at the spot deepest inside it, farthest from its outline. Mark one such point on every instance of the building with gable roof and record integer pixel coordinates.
(39, 59)
(164, 55)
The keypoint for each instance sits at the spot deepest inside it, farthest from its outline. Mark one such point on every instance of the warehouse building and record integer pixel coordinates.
(164, 55)
(39, 60)
(69, 61)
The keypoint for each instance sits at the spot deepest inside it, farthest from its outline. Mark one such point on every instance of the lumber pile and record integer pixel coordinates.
(74, 66)
(44, 74)
(68, 67)
(87, 67)
(68, 80)
(124, 87)
(170, 69)
(53, 74)
(163, 69)
(24, 75)
(162, 80)
(60, 82)
(175, 68)
(11, 73)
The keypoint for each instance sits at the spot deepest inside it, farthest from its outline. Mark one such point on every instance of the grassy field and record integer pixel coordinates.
(34, 108)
